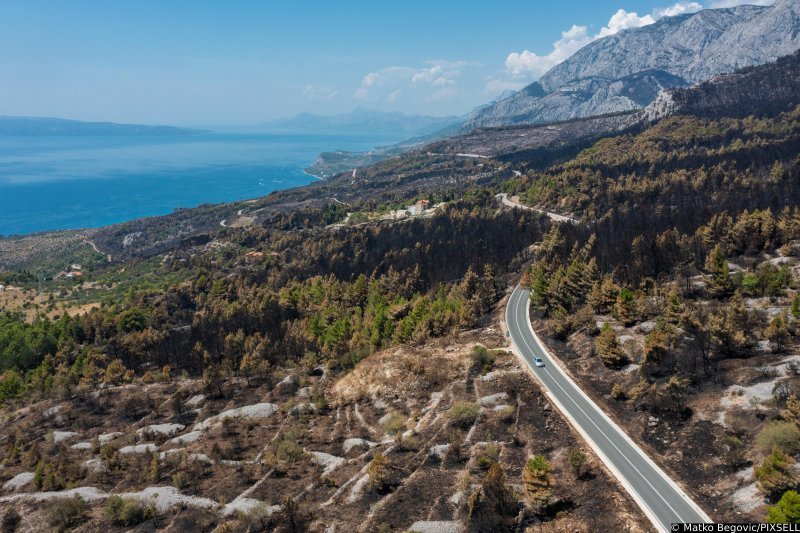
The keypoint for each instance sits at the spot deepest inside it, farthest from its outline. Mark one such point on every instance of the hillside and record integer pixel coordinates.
(334, 351)
(438, 170)
(626, 71)
(689, 340)
(776, 87)
(386, 447)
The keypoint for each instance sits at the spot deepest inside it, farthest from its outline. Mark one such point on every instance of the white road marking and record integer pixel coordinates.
(527, 346)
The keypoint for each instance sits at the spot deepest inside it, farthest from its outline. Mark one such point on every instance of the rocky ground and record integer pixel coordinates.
(743, 395)
(254, 455)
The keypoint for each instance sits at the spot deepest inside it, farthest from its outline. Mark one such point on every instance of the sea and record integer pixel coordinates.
(53, 183)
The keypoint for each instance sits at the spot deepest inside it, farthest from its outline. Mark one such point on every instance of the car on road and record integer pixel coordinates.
(538, 361)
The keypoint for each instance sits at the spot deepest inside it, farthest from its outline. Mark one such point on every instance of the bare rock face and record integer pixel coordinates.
(628, 70)
(662, 106)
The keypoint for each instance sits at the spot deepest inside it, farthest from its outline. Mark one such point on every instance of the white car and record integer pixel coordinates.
(537, 361)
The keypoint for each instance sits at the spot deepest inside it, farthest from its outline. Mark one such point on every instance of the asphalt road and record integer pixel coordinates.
(661, 499)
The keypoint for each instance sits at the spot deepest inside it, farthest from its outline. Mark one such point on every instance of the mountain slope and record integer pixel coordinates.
(626, 71)
(763, 90)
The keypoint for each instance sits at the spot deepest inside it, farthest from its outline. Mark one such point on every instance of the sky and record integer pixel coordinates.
(211, 63)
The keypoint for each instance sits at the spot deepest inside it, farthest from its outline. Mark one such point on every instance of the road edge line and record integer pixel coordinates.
(585, 436)
(630, 441)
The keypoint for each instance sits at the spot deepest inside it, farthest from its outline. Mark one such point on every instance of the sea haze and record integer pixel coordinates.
(50, 183)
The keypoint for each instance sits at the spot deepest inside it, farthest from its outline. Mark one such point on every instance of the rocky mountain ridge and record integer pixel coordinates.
(626, 71)
(766, 89)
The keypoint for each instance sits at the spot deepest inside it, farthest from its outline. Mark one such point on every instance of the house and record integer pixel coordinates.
(422, 206)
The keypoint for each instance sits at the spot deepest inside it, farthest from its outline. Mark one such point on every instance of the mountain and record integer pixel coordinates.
(763, 90)
(364, 121)
(45, 126)
(627, 70)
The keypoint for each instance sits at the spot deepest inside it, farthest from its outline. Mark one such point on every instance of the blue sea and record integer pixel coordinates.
(51, 183)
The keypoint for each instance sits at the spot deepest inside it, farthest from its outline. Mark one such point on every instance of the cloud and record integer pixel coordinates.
(677, 9)
(319, 93)
(433, 82)
(435, 75)
(733, 3)
(622, 20)
(527, 64)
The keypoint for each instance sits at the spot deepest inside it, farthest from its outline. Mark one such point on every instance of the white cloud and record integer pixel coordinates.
(527, 63)
(434, 82)
(319, 93)
(436, 75)
(677, 9)
(733, 3)
(622, 20)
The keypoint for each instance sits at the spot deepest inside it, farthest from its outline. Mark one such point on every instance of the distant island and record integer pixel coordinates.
(45, 126)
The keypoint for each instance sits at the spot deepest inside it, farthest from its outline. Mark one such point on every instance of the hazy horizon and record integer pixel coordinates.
(201, 64)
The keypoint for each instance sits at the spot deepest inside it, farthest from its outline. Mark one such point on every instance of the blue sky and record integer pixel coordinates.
(227, 63)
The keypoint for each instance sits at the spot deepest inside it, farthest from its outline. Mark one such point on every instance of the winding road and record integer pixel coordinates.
(555, 217)
(661, 499)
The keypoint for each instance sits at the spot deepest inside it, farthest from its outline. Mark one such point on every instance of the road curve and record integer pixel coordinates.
(555, 217)
(661, 499)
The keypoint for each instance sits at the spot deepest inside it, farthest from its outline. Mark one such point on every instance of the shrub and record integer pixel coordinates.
(456, 441)
(482, 358)
(618, 392)
(394, 424)
(498, 498)
(489, 456)
(259, 518)
(776, 474)
(507, 413)
(576, 460)
(65, 513)
(127, 511)
(11, 385)
(286, 448)
(179, 481)
(607, 347)
(537, 482)
(779, 434)
(381, 474)
(463, 414)
(733, 450)
(787, 510)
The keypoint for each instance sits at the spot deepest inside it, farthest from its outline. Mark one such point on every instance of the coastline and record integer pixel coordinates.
(305, 171)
